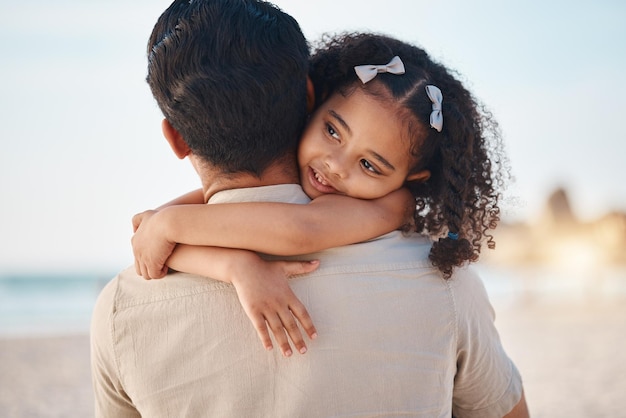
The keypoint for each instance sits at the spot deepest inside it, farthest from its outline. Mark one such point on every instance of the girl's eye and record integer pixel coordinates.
(331, 131)
(369, 167)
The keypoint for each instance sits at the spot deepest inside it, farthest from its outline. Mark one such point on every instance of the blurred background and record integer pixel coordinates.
(82, 152)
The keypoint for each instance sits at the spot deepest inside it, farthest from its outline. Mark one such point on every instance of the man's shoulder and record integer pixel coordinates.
(389, 250)
(469, 294)
(466, 283)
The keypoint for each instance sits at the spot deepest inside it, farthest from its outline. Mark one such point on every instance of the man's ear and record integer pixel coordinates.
(310, 95)
(175, 139)
(420, 177)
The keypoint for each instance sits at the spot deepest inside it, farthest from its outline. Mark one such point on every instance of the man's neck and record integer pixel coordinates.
(284, 172)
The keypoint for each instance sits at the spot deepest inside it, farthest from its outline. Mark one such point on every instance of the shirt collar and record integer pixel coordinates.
(286, 193)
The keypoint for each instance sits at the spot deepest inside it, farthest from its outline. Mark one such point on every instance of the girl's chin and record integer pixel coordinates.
(311, 191)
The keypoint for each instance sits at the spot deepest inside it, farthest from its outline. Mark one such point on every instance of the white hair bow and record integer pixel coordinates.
(436, 116)
(368, 72)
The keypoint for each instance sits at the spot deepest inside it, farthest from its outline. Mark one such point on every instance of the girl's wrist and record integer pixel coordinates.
(164, 226)
(241, 263)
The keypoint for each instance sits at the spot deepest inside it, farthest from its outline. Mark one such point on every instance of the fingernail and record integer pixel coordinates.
(303, 350)
(288, 353)
(314, 335)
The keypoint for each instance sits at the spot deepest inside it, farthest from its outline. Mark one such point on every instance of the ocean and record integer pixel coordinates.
(61, 304)
(40, 305)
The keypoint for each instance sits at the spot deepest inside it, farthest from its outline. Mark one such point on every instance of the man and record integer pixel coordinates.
(394, 337)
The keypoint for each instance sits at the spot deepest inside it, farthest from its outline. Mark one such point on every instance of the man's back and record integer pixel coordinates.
(393, 337)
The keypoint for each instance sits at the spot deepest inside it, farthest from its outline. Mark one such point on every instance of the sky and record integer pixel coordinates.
(82, 149)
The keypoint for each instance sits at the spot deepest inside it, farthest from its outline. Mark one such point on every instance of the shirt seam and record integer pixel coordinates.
(455, 314)
(113, 332)
(217, 287)
(167, 296)
(368, 268)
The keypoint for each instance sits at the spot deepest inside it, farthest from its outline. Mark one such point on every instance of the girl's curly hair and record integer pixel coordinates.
(458, 205)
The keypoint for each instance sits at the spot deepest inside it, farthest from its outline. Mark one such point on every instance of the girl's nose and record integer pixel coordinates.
(336, 166)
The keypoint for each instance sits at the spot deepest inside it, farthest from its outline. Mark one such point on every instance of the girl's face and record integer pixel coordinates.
(355, 146)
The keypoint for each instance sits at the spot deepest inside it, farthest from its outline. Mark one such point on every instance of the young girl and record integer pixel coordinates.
(391, 121)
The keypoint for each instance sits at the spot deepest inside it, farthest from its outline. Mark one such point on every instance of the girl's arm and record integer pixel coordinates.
(261, 285)
(191, 198)
(272, 228)
(262, 288)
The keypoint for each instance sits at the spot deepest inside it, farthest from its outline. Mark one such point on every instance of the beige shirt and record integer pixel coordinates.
(395, 339)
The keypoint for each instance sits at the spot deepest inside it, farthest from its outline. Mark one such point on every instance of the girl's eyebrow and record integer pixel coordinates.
(340, 120)
(382, 160)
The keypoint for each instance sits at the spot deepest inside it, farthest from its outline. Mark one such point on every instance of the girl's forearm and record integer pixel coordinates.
(285, 229)
(214, 262)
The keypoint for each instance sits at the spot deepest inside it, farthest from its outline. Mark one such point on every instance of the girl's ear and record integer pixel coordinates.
(310, 95)
(421, 177)
(175, 139)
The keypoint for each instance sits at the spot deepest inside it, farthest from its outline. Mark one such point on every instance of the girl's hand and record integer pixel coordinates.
(150, 248)
(138, 218)
(267, 299)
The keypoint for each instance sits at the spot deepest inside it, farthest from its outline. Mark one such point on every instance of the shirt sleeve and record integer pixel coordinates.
(487, 383)
(110, 398)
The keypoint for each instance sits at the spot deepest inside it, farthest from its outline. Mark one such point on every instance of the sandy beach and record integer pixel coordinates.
(45, 377)
(569, 354)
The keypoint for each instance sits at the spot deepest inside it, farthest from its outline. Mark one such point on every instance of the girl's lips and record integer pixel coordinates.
(320, 183)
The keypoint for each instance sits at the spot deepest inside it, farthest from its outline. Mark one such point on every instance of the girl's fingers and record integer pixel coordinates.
(293, 268)
(152, 272)
(277, 328)
(157, 273)
(144, 272)
(298, 310)
(302, 315)
(261, 329)
(293, 331)
(281, 311)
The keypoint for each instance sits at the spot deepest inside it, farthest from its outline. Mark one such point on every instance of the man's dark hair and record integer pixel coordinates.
(230, 77)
